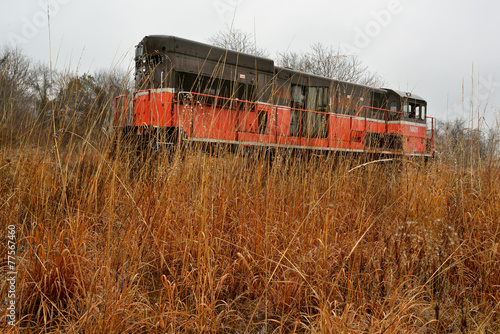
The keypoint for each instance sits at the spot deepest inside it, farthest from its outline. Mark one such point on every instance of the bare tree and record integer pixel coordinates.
(64, 102)
(326, 61)
(15, 96)
(109, 84)
(87, 100)
(40, 85)
(465, 147)
(320, 60)
(237, 40)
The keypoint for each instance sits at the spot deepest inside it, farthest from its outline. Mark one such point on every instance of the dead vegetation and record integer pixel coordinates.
(234, 244)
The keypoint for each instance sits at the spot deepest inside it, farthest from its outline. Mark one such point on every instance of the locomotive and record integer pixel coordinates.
(188, 91)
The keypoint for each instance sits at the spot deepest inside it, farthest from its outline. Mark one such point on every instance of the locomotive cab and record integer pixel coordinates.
(407, 106)
(408, 121)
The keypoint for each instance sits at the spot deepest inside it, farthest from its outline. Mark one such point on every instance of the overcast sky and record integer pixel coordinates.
(434, 49)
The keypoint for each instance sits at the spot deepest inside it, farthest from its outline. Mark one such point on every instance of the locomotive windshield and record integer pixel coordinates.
(414, 110)
(148, 71)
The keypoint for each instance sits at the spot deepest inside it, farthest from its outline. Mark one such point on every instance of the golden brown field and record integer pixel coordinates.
(228, 243)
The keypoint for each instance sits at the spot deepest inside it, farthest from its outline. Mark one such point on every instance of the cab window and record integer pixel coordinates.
(393, 106)
(406, 110)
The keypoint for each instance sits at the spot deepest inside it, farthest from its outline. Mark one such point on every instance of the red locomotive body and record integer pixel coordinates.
(195, 92)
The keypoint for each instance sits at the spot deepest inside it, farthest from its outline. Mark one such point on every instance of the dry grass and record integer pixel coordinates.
(228, 243)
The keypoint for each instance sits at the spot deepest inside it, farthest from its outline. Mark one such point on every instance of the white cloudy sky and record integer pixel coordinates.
(445, 51)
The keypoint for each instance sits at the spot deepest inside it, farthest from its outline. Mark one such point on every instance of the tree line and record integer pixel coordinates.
(30, 92)
(462, 146)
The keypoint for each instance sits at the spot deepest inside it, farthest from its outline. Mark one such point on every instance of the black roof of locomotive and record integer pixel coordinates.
(171, 44)
(405, 95)
(318, 78)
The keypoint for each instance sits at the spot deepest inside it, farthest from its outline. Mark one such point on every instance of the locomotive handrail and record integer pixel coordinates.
(386, 113)
(264, 104)
(290, 108)
(143, 91)
(358, 130)
(374, 108)
(432, 128)
(214, 96)
(258, 103)
(314, 111)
